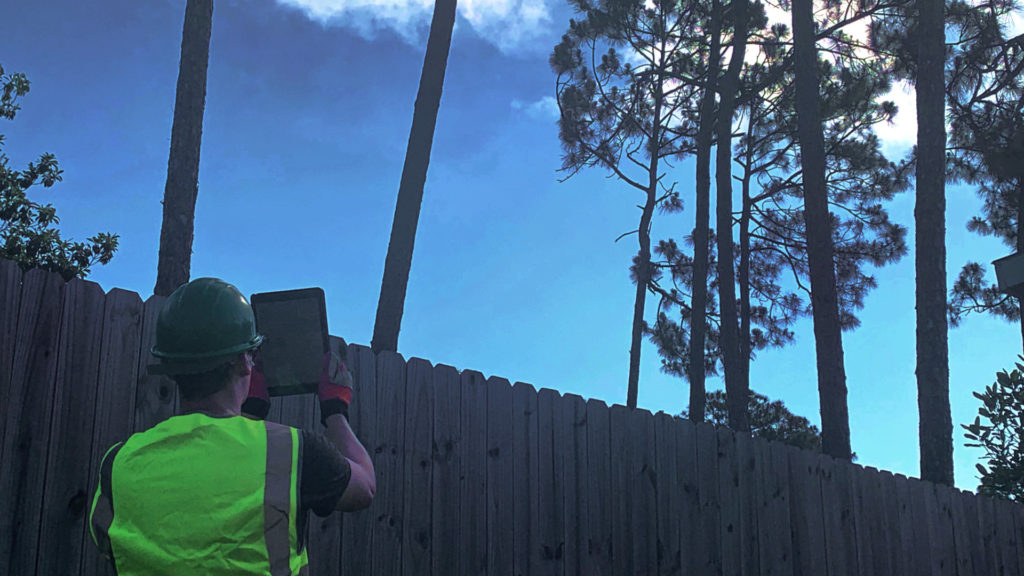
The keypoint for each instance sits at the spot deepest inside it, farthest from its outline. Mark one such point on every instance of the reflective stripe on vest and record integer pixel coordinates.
(203, 495)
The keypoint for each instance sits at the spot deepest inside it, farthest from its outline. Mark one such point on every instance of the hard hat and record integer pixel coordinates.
(201, 325)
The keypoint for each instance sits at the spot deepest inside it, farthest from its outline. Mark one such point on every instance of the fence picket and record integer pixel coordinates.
(115, 395)
(154, 395)
(388, 463)
(774, 541)
(417, 543)
(447, 467)
(549, 481)
(357, 527)
(709, 542)
(749, 471)
(573, 446)
(965, 526)
(690, 526)
(526, 524)
(27, 421)
(599, 488)
(10, 299)
(843, 473)
(66, 500)
(644, 487)
(500, 513)
(473, 498)
(806, 512)
(1006, 537)
(868, 518)
(668, 489)
(729, 502)
(921, 558)
(622, 533)
(941, 529)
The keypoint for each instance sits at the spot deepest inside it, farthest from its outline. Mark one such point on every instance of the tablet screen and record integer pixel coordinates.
(294, 327)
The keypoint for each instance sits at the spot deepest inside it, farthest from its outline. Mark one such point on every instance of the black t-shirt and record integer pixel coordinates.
(323, 474)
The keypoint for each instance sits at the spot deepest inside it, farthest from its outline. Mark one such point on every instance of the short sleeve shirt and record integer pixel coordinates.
(323, 476)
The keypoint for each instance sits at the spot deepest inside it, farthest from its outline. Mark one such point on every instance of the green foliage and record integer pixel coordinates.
(985, 94)
(1000, 435)
(769, 419)
(28, 233)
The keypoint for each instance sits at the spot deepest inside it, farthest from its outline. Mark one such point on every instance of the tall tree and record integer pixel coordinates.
(737, 389)
(182, 187)
(701, 230)
(936, 425)
(398, 262)
(616, 114)
(828, 340)
(773, 239)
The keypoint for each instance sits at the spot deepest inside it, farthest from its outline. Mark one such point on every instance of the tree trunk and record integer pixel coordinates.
(643, 265)
(398, 262)
(828, 340)
(744, 271)
(182, 187)
(699, 300)
(736, 390)
(936, 426)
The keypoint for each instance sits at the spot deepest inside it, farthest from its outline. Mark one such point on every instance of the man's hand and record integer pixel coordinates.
(335, 390)
(257, 405)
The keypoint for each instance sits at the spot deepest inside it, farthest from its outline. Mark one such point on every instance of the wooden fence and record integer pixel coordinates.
(474, 475)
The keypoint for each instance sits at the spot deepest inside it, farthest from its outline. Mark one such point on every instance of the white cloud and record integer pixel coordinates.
(899, 137)
(508, 24)
(544, 109)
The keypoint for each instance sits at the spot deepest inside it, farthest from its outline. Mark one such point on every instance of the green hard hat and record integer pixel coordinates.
(202, 324)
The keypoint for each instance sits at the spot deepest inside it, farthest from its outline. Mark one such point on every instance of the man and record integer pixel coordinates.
(213, 492)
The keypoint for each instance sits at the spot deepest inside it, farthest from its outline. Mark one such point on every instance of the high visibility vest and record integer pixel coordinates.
(201, 495)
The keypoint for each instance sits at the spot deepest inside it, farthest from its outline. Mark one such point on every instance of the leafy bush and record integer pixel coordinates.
(998, 429)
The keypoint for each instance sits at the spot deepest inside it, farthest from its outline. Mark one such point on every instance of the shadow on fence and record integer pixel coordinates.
(475, 475)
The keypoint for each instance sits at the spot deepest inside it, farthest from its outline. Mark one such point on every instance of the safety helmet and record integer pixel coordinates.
(201, 325)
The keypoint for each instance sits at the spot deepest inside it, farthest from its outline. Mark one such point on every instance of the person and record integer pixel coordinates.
(211, 491)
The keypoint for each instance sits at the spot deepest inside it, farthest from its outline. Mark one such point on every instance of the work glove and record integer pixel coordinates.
(257, 404)
(335, 390)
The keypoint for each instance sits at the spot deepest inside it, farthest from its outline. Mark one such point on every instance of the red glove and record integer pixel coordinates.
(335, 389)
(257, 405)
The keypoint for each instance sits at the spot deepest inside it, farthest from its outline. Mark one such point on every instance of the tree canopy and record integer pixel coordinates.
(28, 229)
(769, 419)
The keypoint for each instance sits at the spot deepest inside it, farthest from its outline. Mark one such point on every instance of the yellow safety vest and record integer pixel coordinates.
(201, 495)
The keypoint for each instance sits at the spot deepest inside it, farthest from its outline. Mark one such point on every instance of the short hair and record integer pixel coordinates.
(202, 384)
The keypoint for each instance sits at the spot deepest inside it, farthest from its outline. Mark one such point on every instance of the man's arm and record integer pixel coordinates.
(363, 483)
(335, 394)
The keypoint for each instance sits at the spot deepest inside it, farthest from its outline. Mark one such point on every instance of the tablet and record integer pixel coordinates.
(294, 327)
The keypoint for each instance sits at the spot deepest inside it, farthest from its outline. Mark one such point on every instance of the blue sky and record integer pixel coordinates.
(309, 105)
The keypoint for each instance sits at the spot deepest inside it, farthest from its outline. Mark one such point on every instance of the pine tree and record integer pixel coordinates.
(617, 115)
(182, 187)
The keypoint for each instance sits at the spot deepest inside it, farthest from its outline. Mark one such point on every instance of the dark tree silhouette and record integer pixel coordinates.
(618, 116)
(936, 425)
(768, 419)
(398, 262)
(737, 389)
(835, 420)
(985, 93)
(182, 187)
